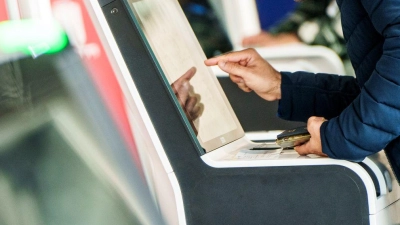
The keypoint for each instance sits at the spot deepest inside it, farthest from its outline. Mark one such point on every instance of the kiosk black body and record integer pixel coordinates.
(307, 194)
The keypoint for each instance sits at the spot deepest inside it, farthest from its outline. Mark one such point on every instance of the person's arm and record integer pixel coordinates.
(301, 94)
(306, 94)
(372, 120)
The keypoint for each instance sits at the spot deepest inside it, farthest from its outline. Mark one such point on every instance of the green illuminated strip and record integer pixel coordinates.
(33, 37)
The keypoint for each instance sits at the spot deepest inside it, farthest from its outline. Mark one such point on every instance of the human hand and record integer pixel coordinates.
(265, 39)
(250, 72)
(189, 101)
(313, 146)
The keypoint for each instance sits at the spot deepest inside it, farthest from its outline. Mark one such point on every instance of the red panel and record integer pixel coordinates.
(94, 57)
(3, 10)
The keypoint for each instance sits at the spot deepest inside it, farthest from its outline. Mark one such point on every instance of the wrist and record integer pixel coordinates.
(275, 91)
(276, 94)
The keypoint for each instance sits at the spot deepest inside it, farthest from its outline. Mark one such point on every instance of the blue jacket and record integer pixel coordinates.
(363, 112)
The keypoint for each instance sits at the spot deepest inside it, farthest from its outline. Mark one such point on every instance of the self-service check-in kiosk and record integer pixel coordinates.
(208, 167)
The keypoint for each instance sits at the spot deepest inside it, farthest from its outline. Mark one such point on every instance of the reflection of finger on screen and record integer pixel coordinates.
(189, 74)
(190, 103)
(196, 111)
(181, 88)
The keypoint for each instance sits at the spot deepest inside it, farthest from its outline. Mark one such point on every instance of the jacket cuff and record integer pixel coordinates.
(285, 103)
(335, 145)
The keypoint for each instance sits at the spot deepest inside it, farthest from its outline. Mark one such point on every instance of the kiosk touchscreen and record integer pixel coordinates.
(175, 49)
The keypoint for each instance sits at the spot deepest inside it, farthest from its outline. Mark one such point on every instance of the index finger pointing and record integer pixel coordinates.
(212, 61)
(239, 56)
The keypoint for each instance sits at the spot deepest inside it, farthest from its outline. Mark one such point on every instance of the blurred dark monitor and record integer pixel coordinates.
(62, 160)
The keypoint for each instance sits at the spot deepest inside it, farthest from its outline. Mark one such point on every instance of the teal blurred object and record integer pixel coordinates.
(31, 37)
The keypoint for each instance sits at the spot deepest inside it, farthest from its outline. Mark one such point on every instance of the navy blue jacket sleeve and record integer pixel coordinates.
(373, 119)
(308, 94)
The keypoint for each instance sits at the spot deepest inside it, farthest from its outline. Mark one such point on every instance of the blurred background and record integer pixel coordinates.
(67, 152)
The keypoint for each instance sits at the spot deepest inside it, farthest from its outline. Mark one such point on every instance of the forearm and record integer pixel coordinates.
(306, 94)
